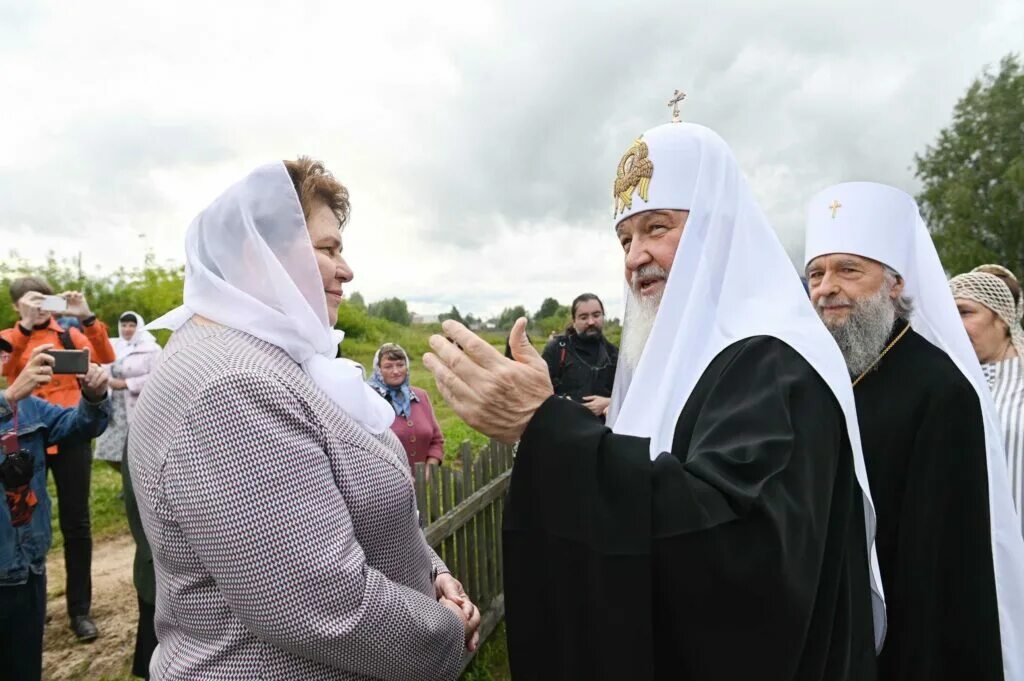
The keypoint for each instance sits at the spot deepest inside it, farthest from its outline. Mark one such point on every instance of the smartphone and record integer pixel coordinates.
(70, 361)
(54, 304)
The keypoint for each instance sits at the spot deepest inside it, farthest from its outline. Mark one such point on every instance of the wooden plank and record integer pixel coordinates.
(420, 485)
(448, 545)
(462, 514)
(471, 583)
(460, 538)
(491, 470)
(483, 535)
(495, 507)
(434, 492)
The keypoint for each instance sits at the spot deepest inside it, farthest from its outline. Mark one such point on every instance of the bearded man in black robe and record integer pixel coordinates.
(721, 527)
(877, 284)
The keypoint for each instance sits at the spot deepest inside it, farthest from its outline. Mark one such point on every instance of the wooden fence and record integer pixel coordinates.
(462, 512)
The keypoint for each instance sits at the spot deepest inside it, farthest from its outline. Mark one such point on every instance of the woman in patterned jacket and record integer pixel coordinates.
(989, 301)
(277, 501)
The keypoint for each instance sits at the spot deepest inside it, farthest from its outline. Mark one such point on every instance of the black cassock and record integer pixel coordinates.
(924, 445)
(738, 555)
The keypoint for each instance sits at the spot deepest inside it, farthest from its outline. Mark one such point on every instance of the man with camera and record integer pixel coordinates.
(71, 461)
(28, 425)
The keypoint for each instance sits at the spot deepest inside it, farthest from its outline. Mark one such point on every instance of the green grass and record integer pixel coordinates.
(106, 506)
(491, 661)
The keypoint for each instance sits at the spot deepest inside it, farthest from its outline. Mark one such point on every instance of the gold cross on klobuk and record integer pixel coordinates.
(677, 98)
(834, 207)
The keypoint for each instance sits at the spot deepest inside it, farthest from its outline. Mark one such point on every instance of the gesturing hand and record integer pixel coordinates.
(494, 395)
(37, 372)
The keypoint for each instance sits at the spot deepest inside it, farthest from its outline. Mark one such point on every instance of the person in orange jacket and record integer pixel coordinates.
(71, 461)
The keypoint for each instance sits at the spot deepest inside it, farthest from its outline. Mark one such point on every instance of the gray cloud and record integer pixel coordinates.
(103, 172)
(807, 93)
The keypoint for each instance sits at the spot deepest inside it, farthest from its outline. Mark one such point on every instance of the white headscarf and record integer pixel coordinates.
(883, 223)
(730, 280)
(143, 340)
(249, 265)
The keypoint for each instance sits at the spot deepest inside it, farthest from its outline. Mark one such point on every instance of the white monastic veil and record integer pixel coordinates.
(249, 265)
(731, 279)
(878, 217)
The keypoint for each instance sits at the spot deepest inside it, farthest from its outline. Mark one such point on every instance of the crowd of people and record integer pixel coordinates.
(828, 479)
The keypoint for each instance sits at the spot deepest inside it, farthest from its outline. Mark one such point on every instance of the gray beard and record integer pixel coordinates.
(864, 333)
(636, 327)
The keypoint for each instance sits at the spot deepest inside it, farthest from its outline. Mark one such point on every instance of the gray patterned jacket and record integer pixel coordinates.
(284, 536)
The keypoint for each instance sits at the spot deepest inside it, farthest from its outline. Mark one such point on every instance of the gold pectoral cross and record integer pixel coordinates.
(835, 206)
(677, 98)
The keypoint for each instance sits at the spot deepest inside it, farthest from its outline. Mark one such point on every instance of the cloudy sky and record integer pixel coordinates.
(478, 139)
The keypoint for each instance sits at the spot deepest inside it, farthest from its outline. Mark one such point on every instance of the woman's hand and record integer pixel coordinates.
(118, 384)
(37, 372)
(471, 624)
(451, 594)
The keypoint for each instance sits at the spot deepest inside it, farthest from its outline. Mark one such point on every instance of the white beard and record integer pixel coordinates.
(636, 327)
(862, 336)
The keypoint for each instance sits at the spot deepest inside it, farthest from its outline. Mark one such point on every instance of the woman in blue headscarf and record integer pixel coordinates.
(415, 423)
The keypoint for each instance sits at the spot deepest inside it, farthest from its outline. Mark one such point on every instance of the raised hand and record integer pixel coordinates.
(77, 306)
(494, 395)
(37, 372)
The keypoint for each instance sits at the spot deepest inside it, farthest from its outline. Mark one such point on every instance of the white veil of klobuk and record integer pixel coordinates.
(249, 265)
(883, 223)
(731, 279)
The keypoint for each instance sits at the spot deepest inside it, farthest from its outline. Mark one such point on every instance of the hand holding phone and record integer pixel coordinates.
(70, 361)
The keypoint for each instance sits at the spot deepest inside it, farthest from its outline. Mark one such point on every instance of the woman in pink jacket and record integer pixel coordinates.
(415, 423)
(136, 350)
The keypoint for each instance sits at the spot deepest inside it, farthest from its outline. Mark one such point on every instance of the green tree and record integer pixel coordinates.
(509, 316)
(393, 309)
(549, 308)
(453, 314)
(356, 301)
(150, 291)
(973, 175)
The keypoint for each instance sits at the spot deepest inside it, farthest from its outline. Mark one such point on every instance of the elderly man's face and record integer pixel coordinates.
(837, 281)
(649, 240)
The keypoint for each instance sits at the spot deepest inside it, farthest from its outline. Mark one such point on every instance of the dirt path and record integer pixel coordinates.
(114, 608)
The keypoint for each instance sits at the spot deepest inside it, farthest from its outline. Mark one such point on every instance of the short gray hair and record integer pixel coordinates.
(902, 304)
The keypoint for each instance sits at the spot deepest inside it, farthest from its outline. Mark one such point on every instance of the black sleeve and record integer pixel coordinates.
(944, 621)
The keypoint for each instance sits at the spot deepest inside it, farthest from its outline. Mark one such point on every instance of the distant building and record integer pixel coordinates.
(424, 318)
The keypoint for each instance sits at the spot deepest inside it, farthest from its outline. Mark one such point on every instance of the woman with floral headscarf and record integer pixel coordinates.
(991, 315)
(415, 423)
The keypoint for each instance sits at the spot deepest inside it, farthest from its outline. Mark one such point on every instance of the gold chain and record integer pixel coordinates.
(887, 349)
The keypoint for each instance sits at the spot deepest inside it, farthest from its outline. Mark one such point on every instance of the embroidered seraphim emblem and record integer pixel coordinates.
(634, 175)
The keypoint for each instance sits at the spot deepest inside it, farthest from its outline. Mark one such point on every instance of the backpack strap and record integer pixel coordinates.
(65, 339)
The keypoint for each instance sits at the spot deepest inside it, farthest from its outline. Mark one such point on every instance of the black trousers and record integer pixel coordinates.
(72, 475)
(145, 640)
(22, 618)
